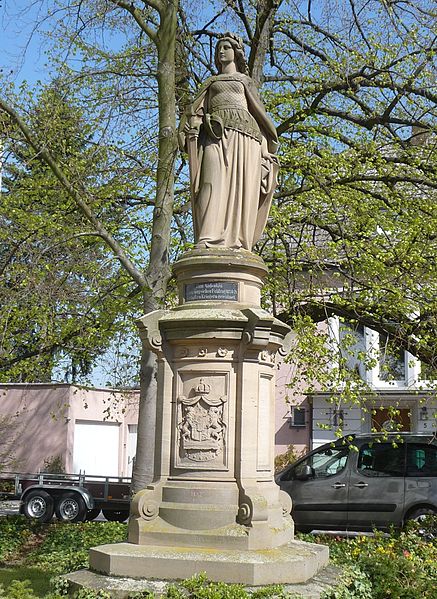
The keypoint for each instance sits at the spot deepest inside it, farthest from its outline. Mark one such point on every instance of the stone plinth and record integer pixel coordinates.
(226, 276)
(293, 563)
(121, 587)
(214, 505)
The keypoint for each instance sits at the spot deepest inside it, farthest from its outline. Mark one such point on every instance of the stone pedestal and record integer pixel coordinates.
(214, 505)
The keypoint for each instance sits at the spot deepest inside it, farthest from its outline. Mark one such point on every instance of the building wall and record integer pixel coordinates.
(40, 422)
(286, 434)
(46, 418)
(404, 389)
(325, 421)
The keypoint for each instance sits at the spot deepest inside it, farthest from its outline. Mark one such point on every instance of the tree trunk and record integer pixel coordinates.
(158, 272)
(265, 12)
(143, 467)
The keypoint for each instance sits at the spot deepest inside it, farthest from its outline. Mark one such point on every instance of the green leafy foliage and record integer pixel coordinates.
(284, 459)
(65, 548)
(402, 565)
(18, 589)
(61, 292)
(54, 465)
(15, 531)
(199, 587)
(351, 232)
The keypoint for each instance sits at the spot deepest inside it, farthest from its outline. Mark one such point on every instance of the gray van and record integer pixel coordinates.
(361, 482)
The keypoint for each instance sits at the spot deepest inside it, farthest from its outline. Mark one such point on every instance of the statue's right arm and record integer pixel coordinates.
(192, 118)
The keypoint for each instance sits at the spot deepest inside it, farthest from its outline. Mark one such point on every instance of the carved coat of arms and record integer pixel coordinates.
(202, 430)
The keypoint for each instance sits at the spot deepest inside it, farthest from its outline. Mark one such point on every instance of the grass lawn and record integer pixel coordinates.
(39, 580)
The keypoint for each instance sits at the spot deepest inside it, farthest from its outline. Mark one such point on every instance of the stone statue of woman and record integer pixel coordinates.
(231, 144)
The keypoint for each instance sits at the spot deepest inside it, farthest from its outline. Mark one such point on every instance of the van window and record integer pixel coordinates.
(421, 460)
(327, 462)
(381, 459)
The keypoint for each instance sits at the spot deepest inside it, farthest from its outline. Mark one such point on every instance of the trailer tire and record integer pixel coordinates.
(70, 507)
(92, 514)
(39, 505)
(116, 515)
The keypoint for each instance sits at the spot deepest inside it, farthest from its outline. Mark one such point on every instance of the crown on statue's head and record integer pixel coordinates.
(233, 37)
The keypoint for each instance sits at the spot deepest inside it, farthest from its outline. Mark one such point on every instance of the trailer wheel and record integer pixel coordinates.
(92, 514)
(116, 515)
(38, 505)
(70, 507)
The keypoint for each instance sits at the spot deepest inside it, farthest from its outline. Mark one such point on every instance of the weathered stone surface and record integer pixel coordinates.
(121, 587)
(213, 505)
(240, 268)
(295, 562)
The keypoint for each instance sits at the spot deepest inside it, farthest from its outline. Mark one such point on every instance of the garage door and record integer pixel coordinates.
(96, 448)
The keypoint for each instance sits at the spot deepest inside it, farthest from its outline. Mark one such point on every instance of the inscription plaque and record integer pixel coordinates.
(214, 290)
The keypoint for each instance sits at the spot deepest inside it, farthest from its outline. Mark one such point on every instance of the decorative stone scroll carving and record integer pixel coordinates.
(145, 503)
(286, 503)
(202, 429)
(253, 508)
(150, 332)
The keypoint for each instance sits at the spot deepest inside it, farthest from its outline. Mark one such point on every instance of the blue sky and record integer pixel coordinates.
(21, 46)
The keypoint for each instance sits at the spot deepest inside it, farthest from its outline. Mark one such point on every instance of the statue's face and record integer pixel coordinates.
(225, 52)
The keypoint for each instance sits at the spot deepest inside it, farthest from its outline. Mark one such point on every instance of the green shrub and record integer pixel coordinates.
(400, 566)
(66, 546)
(18, 589)
(59, 586)
(199, 587)
(54, 465)
(15, 531)
(289, 457)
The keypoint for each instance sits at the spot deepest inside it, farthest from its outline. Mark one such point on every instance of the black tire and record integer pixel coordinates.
(418, 514)
(70, 507)
(92, 514)
(116, 515)
(304, 529)
(39, 505)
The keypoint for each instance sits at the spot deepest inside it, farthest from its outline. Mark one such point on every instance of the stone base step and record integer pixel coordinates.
(295, 562)
(122, 588)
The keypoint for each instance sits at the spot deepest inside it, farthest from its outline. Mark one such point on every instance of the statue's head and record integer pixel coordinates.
(237, 44)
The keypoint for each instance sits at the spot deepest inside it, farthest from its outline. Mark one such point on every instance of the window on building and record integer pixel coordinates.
(381, 459)
(391, 360)
(297, 418)
(352, 347)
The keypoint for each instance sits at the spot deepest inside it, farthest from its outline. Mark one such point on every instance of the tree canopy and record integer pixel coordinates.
(351, 86)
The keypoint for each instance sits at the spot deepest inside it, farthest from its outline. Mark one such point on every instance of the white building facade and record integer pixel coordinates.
(396, 395)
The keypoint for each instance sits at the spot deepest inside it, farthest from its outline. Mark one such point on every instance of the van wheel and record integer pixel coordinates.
(70, 507)
(39, 505)
(116, 515)
(420, 513)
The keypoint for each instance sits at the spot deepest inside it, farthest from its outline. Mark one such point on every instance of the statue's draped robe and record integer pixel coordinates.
(233, 184)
